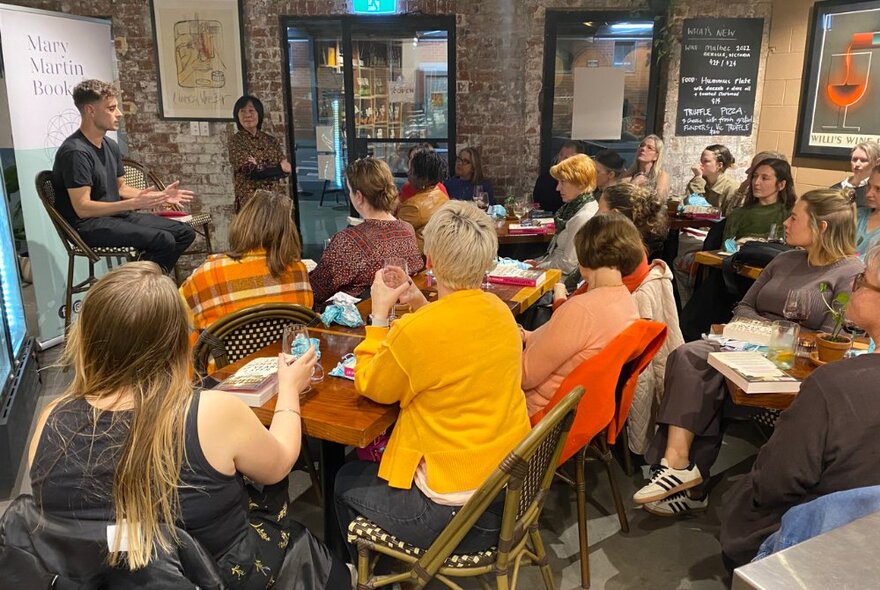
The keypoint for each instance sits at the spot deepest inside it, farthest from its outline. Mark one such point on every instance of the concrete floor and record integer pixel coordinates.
(657, 553)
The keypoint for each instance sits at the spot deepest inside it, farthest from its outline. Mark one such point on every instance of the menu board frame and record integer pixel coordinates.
(718, 77)
(815, 137)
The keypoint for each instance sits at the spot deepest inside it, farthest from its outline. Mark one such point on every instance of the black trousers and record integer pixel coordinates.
(161, 240)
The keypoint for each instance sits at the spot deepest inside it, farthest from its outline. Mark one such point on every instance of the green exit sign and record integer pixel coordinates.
(374, 6)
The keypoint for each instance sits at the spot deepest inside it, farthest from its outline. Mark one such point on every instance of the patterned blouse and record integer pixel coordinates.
(223, 285)
(266, 150)
(355, 254)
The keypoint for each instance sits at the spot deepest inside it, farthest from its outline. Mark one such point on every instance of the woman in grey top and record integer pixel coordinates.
(689, 433)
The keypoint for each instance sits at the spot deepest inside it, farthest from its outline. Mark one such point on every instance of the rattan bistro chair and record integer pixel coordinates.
(76, 247)
(137, 176)
(526, 473)
(246, 331)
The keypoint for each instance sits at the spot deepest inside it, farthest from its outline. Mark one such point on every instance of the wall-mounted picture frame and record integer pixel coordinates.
(199, 51)
(841, 80)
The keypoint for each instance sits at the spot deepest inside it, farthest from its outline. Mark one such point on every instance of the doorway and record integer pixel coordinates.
(361, 86)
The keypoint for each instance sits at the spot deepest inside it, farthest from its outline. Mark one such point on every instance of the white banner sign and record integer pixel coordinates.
(46, 54)
(598, 103)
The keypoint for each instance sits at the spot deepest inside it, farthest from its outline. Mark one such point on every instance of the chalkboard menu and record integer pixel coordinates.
(719, 70)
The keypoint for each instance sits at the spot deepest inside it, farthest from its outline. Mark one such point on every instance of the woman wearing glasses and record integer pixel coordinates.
(686, 444)
(824, 442)
(468, 181)
(647, 170)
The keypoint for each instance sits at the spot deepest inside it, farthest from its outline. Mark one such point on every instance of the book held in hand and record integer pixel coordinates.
(510, 274)
(254, 383)
(753, 372)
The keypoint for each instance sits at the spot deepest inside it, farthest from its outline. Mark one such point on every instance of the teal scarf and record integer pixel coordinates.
(568, 210)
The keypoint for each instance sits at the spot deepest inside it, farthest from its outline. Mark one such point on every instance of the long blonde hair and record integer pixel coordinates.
(266, 223)
(657, 166)
(838, 210)
(132, 339)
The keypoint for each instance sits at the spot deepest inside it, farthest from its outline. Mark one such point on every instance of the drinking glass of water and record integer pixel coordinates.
(481, 200)
(783, 343)
(295, 342)
(395, 272)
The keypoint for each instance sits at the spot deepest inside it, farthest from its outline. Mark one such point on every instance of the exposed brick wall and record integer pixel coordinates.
(500, 45)
(782, 92)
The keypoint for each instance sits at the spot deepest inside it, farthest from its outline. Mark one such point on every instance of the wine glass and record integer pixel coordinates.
(480, 198)
(847, 83)
(798, 305)
(295, 343)
(395, 272)
(520, 209)
(776, 235)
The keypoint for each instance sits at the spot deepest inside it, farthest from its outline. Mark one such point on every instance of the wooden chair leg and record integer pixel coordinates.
(627, 455)
(310, 468)
(608, 459)
(541, 554)
(208, 246)
(581, 495)
(68, 295)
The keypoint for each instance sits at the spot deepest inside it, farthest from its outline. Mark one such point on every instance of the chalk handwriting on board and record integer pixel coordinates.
(719, 66)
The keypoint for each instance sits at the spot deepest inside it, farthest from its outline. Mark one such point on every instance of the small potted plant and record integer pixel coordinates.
(833, 346)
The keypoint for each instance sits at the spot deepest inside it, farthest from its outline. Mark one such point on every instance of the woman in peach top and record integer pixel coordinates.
(608, 247)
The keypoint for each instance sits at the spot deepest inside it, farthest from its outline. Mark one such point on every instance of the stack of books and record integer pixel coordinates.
(753, 372)
(511, 274)
(254, 383)
(535, 227)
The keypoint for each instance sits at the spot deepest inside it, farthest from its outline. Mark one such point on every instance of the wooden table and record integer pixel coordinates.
(517, 299)
(779, 401)
(714, 259)
(678, 223)
(505, 237)
(332, 412)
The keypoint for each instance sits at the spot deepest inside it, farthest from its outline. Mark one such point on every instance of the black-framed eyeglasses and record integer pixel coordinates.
(463, 160)
(860, 281)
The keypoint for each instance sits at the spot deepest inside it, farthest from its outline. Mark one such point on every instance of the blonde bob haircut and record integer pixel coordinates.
(132, 336)
(836, 208)
(266, 223)
(578, 170)
(461, 243)
(372, 177)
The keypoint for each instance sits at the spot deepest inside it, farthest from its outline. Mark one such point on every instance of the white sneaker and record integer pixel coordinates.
(666, 481)
(676, 504)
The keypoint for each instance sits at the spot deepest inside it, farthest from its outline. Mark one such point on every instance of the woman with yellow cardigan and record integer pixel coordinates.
(454, 366)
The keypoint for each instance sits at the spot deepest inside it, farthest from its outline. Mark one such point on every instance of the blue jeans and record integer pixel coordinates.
(407, 514)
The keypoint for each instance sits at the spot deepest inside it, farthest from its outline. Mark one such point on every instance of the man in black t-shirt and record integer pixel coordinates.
(90, 189)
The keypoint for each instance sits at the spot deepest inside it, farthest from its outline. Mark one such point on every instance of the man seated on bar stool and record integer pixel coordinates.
(90, 189)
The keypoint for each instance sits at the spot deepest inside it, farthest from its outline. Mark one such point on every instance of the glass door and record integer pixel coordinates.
(620, 40)
(402, 76)
(317, 119)
(362, 86)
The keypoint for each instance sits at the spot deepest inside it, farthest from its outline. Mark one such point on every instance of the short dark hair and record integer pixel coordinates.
(609, 240)
(241, 103)
(613, 161)
(91, 91)
(428, 168)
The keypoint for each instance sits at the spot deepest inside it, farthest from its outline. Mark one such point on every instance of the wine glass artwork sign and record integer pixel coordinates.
(847, 83)
(840, 85)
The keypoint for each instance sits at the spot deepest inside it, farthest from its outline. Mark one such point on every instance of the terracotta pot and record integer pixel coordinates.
(832, 350)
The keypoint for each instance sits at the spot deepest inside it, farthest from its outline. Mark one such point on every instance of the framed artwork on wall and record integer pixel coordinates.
(841, 81)
(199, 52)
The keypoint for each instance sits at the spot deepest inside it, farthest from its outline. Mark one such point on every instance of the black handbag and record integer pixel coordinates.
(756, 254)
